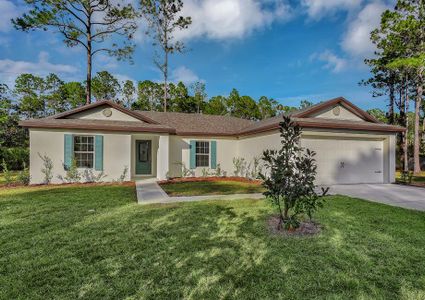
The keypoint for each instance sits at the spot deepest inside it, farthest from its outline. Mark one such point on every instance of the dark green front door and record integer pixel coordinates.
(144, 157)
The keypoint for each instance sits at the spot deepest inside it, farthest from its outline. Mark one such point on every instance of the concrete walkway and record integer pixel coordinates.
(391, 194)
(149, 192)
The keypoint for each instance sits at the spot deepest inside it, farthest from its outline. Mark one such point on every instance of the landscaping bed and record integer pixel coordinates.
(417, 180)
(96, 242)
(193, 186)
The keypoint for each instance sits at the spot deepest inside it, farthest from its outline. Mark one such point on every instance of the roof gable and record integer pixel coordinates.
(346, 111)
(95, 110)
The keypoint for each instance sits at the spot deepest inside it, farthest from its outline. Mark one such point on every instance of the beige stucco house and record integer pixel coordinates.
(351, 145)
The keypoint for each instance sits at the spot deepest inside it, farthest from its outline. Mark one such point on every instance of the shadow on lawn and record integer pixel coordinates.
(211, 250)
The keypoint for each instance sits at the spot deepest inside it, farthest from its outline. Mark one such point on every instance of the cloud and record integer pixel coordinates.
(8, 11)
(225, 19)
(184, 75)
(356, 40)
(332, 61)
(317, 9)
(10, 69)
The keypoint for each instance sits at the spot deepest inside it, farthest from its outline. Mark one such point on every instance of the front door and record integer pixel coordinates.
(143, 157)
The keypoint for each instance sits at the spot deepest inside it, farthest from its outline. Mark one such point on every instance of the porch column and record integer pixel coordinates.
(162, 164)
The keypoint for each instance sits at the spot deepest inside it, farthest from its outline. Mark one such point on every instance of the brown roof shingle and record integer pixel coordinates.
(199, 124)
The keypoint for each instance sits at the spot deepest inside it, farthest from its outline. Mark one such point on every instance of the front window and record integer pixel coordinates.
(84, 151)
(202, 154)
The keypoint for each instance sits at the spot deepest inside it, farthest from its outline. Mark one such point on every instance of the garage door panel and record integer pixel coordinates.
(347, 160)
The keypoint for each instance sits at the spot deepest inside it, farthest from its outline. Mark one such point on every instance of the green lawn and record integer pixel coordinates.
(211, 188)
(97, 243)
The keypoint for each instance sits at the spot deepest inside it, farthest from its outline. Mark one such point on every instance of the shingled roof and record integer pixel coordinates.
(195, 124)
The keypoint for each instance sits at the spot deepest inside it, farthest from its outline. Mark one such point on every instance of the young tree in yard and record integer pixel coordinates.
(105, 86)
(164, 19)
(128, 92)
(289, 180)
(84, 23)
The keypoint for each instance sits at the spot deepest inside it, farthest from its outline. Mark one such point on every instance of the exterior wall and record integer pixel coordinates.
(344, 114)
(116, 153)
(96, 114)
(253, 146)
(180, 153)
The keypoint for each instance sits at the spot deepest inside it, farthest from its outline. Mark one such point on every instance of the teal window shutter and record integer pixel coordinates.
(192, 154)
(68, 150)
(98, 153)
(213, 154)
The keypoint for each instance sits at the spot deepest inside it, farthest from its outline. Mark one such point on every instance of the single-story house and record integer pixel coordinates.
(351, 145)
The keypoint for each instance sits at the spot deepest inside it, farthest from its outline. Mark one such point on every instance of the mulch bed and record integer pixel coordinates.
(79, 184)
(209, 179)
(415, 184)
(307, 228)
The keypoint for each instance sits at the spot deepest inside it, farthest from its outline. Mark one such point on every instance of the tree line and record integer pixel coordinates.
(36, 97)
(398, 73)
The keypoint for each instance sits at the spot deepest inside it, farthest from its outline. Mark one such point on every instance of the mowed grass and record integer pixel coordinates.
(97, 243)
(221, 187)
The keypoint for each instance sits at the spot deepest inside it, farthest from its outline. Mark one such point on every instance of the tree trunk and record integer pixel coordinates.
(391, 106)
(403, 141)
(89, 60)
(406, 138)
(418, 104)
(165, 81)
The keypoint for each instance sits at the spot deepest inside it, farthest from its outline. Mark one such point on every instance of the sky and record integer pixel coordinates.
(283, 49)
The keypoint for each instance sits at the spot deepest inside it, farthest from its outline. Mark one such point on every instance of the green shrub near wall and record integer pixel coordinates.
(15, 158)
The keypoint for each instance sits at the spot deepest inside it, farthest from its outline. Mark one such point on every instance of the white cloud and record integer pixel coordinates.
(224, 19)
(356, 40)
(10, 69)
(184, 75)
(317, 9)
(8, 11)
(332, 61)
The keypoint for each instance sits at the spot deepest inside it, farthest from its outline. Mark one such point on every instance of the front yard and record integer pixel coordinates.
(219, 187)
(97, 243)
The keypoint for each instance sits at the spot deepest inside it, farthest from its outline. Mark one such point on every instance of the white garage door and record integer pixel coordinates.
(342, 161)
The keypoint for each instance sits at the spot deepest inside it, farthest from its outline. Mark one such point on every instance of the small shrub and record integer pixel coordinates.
(6, 173)
(205, 172)
(47, 168)
(184, 171)
(90, 176)
(121, 179)
(256, 168)
(24, 176)
(406, 177)
(72, 173)
(239, 165)
(218, 171)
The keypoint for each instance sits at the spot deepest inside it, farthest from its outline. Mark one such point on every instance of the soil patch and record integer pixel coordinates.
(306, 228)
(197, 179)
(77, 184)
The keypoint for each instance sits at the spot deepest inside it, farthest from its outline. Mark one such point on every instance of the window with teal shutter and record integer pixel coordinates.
(68, 150)
(192, 154)
(98, 149)
(213, 154)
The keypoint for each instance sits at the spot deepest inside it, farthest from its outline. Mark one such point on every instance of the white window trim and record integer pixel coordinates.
(209, 154)
(94, 150)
